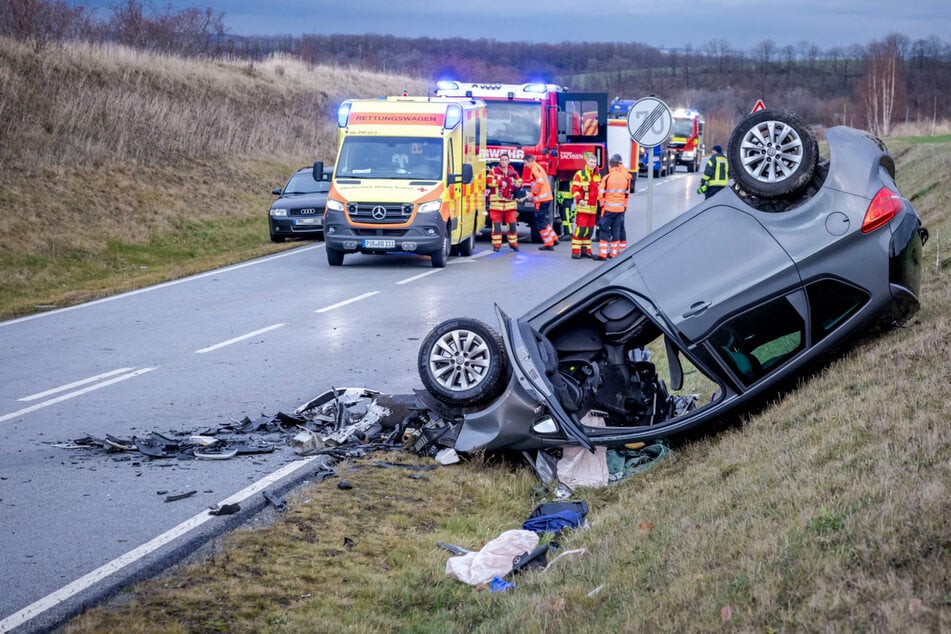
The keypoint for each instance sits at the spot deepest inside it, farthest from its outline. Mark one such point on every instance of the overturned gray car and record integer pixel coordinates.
(705, 313)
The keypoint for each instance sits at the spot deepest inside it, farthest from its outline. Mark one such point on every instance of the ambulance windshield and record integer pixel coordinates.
(513, 122)
(390, 157)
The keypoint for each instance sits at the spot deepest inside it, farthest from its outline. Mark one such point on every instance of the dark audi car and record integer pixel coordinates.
(704, 313)
(299, 210)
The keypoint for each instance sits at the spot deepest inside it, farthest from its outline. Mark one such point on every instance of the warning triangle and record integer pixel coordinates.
(759, 106)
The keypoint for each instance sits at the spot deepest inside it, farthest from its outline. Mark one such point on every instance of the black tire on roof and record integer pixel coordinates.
(772, 154)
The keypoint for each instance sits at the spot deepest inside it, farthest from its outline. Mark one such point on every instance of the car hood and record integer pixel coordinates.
(301, 200)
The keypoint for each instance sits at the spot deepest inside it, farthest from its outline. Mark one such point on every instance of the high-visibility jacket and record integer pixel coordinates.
(716, 173)
(541, 188)
(584, 187)
(615, 190)
(501, 187)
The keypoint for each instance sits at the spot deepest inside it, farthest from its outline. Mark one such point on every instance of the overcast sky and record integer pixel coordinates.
(660, 23)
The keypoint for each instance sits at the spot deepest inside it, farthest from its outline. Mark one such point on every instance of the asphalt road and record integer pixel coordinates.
(257, 338)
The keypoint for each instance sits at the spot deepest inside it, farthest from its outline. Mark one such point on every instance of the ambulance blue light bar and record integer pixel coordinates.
(453, 116)
(343, 114)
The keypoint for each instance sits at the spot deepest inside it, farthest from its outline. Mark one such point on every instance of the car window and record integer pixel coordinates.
(304, 183)
(831, 303)
(761, 339)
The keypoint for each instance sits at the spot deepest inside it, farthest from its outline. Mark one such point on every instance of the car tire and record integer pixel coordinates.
(277, 239)
(462, 363)
(334, 256)
(772, 153)
(441, 257)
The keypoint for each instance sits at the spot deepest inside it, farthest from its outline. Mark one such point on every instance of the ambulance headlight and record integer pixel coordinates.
(429, 207)
(334, 205)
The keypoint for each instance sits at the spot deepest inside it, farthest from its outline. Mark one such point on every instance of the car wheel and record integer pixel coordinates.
(772, 153)
(462, 362)
(277, 239)
(334, 256)
(441, 257)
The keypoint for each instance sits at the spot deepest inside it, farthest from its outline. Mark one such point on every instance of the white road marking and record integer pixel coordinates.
(237, 339)
(149, 289)
(66, 397)
(55, 598)
(420, 276)
(345, 302)
(69, 386)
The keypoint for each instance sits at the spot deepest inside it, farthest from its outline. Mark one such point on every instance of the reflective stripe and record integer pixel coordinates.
(614, 191)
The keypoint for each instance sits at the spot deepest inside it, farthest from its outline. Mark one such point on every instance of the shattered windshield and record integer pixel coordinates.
(390, 157)
(513, 123)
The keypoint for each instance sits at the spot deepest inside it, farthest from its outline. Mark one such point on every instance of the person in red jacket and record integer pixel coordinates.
(615, 191)
(584, 187)
(501, 182)
(542, 196)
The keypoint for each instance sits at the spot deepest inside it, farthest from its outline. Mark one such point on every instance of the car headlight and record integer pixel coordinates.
(278, 212)
(334, 205)
(431, 206)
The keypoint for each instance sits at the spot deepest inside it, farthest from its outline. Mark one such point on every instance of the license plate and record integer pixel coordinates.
(379, 244)
(307, 221)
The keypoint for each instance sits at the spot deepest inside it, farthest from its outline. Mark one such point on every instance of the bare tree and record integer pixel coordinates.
(882, 89)
(40, 22)
(187, 32)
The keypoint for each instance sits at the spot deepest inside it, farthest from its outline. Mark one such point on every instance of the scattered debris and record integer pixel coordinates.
(224, 509)
(344, 485)
(275, 501)
(179, 496)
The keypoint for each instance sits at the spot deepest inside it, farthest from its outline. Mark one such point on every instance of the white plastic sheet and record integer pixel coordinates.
(495, 558)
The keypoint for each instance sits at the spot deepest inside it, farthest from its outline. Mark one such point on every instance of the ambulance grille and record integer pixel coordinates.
(380, 213)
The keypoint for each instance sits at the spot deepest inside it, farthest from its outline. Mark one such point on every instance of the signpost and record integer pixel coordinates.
(649, 121)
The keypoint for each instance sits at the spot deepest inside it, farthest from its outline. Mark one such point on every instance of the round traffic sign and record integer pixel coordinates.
(649, 121)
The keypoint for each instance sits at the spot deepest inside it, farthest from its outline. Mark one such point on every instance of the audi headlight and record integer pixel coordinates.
(431, 206)
(278, 212)
(334, 205)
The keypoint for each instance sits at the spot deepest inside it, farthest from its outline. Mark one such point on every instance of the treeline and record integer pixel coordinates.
(828, 86)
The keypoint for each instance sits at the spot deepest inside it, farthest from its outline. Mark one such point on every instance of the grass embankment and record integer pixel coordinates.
(120, 169)
(825, 511)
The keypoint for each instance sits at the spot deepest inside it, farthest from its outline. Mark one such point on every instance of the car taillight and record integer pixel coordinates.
(884, 206)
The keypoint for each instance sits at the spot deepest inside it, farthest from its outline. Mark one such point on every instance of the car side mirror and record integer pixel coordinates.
(466, 173)
(318, 170)
(276, 191)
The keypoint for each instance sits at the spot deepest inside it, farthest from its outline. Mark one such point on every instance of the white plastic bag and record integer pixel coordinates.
(495, 558)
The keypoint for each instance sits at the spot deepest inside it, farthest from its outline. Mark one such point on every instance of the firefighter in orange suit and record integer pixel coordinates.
(585, 187)
(542, 196)
(615, 191)
(500, 183)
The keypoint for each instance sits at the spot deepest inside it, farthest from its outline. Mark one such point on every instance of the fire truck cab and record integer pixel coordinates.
(686, 139)
(545, 120)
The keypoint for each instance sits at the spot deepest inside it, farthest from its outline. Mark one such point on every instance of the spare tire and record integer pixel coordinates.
(772, 153)
(462, 362)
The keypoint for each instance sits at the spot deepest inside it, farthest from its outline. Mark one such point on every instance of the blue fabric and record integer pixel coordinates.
(498, 584)
(553, 523)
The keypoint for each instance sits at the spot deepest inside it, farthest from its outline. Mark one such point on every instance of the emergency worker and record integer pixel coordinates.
(585, 186)
(542, 197)
(716, 174)
(614, 194)
(501, 182)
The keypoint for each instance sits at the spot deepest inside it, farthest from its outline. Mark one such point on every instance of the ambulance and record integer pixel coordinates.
(409, 177)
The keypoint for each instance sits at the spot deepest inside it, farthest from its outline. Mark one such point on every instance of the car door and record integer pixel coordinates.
(711, 266)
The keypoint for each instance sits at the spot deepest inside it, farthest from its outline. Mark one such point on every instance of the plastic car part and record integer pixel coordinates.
(461, 362)
(772, 153)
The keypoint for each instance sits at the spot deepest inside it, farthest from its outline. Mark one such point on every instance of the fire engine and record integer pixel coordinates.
(687, 138)
(545, 120)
